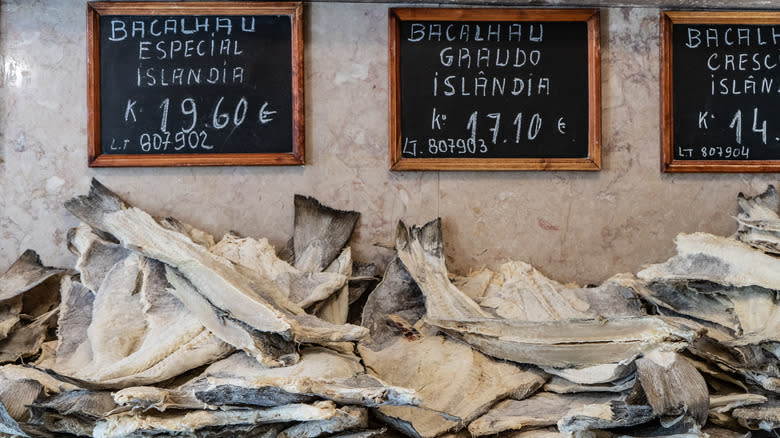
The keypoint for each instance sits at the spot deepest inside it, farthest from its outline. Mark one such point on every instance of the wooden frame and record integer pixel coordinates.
(591, 16)
(667, 20)
(97, 9)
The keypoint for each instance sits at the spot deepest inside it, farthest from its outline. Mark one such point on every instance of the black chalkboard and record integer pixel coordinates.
(195, 83)
(721, 76)
(494, 89)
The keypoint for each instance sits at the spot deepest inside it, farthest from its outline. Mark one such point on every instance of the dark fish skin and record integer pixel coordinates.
(24, 274)
(675, 389)
(320, 232)
(230, 395)
(397, 294)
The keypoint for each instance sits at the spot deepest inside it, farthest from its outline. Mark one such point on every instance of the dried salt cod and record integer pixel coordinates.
(17, 395)
(124, 334)
(422, 253)
(96, 255)
(761, 417)
(750, 361)
(557, 343)
(335, 308)
(21, 385)
(728, 262)
(26, 273)
(26, 341)
(320, 233)
(683, 299)
(239, 380)
(397, 295)
(673, 387)
(8, 425)
(475, 284)
(573, 343)
(134, 424)
(738, 316)
(346, 418)
(609, 415)
(758, 220)
(363, 278)
(266, 348)
(559, 385)
(522, 292)
(721, 407)
(257, 260)
(28, 302)
(214, 277)
(594, 375)
(540, 410)
(450, 377)
(72, 412)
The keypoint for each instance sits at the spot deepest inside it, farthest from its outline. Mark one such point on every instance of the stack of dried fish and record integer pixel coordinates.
(163, 331)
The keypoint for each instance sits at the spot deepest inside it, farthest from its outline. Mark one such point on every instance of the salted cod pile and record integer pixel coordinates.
(159, 330)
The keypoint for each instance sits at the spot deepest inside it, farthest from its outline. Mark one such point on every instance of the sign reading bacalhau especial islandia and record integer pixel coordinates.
(195, 84)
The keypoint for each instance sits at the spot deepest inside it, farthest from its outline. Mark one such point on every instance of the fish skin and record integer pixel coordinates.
(674, 387)
(421, 251)
(319, 233)
(24, 274)
(8, 425)
(191, 421)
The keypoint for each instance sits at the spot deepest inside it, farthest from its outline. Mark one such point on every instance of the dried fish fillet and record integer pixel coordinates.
(727, 403)
(24, 274)
(422, 253)
(679, 297)
(610, 415)
(189, 422)
(363, 279)
(540, 410)
(27, 288)
(96, 255)
(281, 281)
(563, 344)
(9, 315)
(26, 341)
(17, 395)
(239, 380)
(346, 418)
(73, 412)
(596, 374)
(8, 425)
(673, 387)
(762, 417)
(758, 220)
(749, 361)
(397, 295)
(451, 378)
(758, 311)
(729, 262)
(320, 233)
(520, 291)
(335, 308)
(475, 284)
(267, 348)
(559, 385)
(126, 336)
(213, 277)
(50, 384)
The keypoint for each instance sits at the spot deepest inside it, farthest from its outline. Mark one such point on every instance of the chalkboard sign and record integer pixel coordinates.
(720, 82)
(195, 83)
(494, 89)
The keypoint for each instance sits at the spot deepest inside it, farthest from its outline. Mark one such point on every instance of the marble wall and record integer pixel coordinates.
(580, 227)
